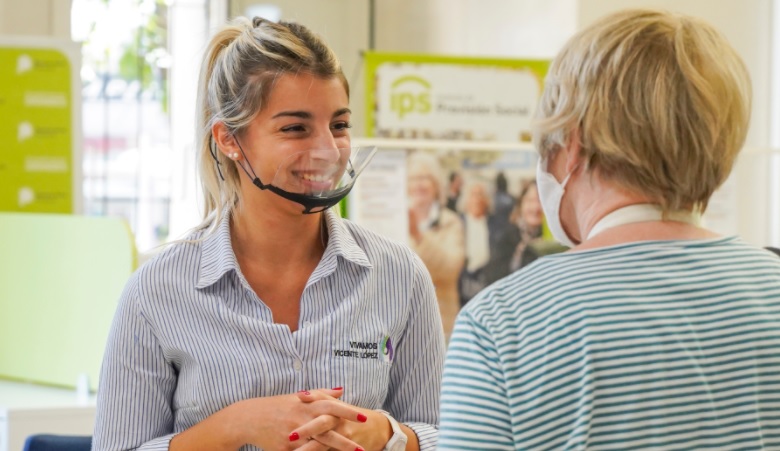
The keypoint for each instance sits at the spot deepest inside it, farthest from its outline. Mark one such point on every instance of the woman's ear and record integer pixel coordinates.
(226, 141)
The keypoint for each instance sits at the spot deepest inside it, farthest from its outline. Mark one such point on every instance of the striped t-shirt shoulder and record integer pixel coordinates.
(652, 345)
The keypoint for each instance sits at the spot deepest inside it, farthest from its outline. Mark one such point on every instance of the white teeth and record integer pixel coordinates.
(315, 178)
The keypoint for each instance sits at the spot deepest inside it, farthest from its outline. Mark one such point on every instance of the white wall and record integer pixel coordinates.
(35, 18)
(486, 28)
(746, 24)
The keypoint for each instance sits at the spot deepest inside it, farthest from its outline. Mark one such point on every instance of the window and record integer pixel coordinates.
(138, 61)
(126, 124)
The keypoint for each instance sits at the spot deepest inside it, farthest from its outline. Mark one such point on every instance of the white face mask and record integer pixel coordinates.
(550, 195)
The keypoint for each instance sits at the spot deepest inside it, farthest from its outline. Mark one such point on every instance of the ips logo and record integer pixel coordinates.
(410, 94)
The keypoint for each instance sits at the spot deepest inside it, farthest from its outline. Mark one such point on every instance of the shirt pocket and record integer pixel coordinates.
(359, 362)
(368, 378)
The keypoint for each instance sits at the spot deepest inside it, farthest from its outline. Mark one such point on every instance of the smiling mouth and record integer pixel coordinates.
(316, 178)
(315, 182)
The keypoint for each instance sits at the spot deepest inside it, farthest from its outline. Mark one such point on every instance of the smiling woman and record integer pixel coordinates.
(233, 337)
(313, 163)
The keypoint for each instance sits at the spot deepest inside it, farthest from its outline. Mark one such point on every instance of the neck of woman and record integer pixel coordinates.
(603, 198)
(279, 240)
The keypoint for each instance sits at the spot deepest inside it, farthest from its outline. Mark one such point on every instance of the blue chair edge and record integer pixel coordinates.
(54, 442)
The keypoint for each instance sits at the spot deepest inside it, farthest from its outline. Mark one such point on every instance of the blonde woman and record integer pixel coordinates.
(276, 325)
(436, 233)
(652, 332)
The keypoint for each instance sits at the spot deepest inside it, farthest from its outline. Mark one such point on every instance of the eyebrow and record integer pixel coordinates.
(307, 115)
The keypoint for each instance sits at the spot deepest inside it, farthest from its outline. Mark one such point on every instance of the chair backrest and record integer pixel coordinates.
(773, 249)
(46, 442)
(60, 279)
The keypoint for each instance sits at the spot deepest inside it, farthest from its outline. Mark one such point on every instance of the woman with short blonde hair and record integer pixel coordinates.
(659, 104)
(652, 332)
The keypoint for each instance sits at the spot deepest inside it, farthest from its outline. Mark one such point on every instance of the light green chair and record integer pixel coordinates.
(60, 279)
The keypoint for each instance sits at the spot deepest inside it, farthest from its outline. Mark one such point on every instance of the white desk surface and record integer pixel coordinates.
(27, 409)
(21, 395)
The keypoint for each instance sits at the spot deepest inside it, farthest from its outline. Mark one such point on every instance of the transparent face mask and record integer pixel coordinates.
(316, 179)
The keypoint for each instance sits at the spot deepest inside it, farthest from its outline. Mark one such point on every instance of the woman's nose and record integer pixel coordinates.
(325, 147)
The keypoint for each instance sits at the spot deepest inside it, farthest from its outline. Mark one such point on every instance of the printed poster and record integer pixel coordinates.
(39, 161)
(441, 97)
(466, 203)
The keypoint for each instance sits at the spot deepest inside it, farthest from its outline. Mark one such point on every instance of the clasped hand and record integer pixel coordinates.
(315, 420)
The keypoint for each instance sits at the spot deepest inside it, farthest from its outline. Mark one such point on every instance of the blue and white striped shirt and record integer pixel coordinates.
(190, 337)
(662, 345)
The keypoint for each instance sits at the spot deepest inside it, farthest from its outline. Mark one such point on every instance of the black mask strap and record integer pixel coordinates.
(251, 176)
(213, 150)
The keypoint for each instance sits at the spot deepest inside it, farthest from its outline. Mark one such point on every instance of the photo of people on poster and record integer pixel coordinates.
(474, 217)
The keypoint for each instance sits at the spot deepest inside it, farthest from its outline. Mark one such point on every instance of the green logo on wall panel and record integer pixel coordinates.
(410, 94)
(449, 97)
(37, 136)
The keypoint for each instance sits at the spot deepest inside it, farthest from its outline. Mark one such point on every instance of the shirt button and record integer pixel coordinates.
(297, 365)
(306, 323)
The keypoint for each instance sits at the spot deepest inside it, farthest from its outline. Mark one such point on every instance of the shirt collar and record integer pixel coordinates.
(341, 242)
(218, 258)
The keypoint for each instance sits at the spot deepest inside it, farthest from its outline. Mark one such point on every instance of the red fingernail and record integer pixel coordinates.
(359, 449)
(338, 388)
(294, 436)
(305, 392)
(362, 418)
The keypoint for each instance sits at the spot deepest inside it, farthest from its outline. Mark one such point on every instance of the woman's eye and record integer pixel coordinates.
(294, 128)
(342, 125)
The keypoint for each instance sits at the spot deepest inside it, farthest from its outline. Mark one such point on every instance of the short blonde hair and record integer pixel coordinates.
(241, 63)
(430, 166)
(476, 187)
(660, 102)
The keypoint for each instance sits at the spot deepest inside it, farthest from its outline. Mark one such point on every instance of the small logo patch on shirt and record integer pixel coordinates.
(368, 350)
(387, 350)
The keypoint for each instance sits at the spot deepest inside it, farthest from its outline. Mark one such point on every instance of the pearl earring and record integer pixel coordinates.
(234, 155)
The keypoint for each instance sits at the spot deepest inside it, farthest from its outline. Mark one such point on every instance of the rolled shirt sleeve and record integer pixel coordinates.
(413, 395)
(134, 403)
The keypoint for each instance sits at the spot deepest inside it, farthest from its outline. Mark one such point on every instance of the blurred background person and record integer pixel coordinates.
(435, 233)
(453, 190)
(526, 225)
(503, 204)
(652, 332)
(481, 229)
(512, 250)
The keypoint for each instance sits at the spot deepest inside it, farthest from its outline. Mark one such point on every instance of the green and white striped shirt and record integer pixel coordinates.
(660, 345)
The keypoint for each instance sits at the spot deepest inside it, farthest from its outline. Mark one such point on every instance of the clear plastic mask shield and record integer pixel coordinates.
(319, 179)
